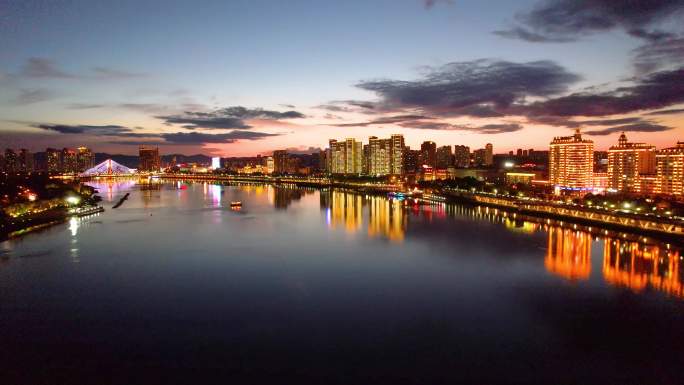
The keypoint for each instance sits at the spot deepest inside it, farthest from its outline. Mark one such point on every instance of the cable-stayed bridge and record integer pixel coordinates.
(108, 167)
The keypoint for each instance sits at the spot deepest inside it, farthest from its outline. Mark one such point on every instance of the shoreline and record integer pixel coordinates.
(670, 231)
(56, 217)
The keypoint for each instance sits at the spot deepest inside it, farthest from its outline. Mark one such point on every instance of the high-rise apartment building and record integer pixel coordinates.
(411, 160)
(149, 160)
(461, 156)
(489, 155)
(11, 161)
(428, 153)
(479, 157)
(336, 157)
(354, 156)
(397, 154)
(670, 170)
(571, 162)
(69, 161)
(379, 156)
(345, 157)
(25, 160)
(53, 160)
(627, 162)
(443, 157)
(280, 164)
(270, 165)
(84, 158)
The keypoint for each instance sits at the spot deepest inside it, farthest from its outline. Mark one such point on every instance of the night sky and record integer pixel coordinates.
(245, 77)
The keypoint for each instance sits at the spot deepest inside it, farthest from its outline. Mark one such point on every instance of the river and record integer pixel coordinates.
(308, 286)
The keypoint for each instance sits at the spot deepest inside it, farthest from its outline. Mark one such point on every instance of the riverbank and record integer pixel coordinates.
(19, 226)
(668, 229)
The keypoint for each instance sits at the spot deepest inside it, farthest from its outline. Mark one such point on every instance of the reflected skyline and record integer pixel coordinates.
(569, 253)
(627, 261)
(359, 269)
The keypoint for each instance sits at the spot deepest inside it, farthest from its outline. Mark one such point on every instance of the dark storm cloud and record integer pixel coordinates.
(637, 127)
(567, 20)
(227, 118)
(656, 90)
(467, 84)
(673, 111)
(34, 95)
(198, 138)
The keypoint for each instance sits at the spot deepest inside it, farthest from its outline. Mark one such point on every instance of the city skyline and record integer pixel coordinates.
(457, 73)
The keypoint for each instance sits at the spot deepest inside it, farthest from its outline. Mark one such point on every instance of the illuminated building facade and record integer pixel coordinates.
(84, 158)
(11, 161)
(270, 165)
(489, 155)
(600, 180)
(461, 156)
(397, 154)
(149, 159)
(280, 161)
(520, 177)
(670, 170)
(379, 156)
(444, 157)
(69, 161)
(410, 161)
(54, 160)
(345, 157)
(627, 162)
(479, 156)
(354, 154)
(25, 160)
(571, 162)
(215, 163)
(428, 154)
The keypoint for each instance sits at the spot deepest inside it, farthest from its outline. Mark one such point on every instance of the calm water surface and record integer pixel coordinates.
(330, 287)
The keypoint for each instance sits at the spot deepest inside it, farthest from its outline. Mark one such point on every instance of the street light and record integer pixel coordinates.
(73, 200)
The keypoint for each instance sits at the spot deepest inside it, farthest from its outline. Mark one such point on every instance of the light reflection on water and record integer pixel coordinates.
(335, 269)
